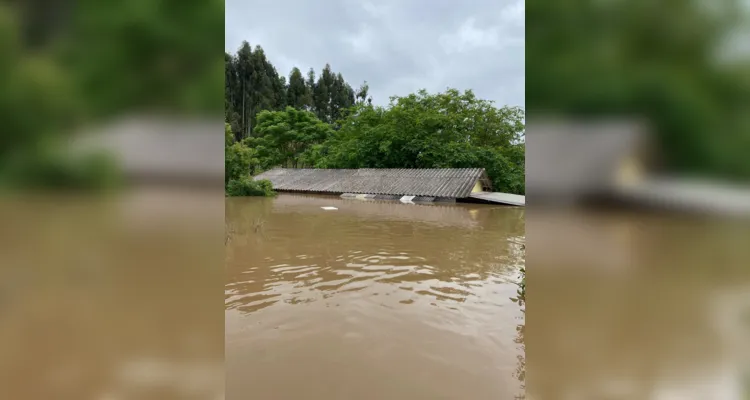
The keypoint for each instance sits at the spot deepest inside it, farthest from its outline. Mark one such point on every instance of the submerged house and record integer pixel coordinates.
(568, 162)
(160, 151)
(418, 185)
(438, 214)
(617, 162)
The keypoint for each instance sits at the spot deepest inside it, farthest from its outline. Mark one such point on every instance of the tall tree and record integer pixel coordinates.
(263, 94)
(252, 85)
(310, 83)
(232, 94)
(243, 68)
(298, 94)
(322, 94)
(342, 98)
(362, 95)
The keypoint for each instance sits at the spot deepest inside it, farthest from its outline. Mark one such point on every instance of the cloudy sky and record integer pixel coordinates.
(396, 46)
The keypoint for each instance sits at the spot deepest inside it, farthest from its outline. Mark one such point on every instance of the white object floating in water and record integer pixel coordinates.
(407, 199)
(329, 208)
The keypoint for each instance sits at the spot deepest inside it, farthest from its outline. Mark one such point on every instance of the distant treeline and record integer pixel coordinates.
(309, 122)
(253, 85)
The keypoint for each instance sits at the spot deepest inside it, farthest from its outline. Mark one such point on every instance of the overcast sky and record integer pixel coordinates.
(397, 46)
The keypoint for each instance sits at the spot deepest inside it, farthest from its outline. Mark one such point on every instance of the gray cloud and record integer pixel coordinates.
(397, 46)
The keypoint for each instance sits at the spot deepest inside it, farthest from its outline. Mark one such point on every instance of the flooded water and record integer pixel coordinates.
(116, 298)
(127, 300)
(632, 306)
(371, 300)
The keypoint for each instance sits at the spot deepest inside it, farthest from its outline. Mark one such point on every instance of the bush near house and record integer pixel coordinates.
(246, 186)
(240, 162)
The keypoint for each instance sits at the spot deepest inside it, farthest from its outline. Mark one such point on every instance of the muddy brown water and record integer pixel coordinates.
(112, 298)
(373, 300)
(128, 299)
(637, 306)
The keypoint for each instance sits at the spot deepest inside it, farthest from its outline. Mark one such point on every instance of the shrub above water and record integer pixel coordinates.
(246, 186)
(50, 169)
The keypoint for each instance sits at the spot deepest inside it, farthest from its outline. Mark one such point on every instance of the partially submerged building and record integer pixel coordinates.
(568, 162)
(160, 151)
(173, 167)
(463, 216)
(572, 162)
(413, 185)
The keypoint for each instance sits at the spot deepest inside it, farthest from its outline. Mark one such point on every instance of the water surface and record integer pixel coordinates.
(373, 300)
(630, 306)
(112, 298)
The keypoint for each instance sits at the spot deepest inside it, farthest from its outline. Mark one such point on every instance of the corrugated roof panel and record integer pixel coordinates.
(438, 182)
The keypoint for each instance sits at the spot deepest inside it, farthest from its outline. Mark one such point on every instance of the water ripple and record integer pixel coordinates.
(403, 287)
(442, 275)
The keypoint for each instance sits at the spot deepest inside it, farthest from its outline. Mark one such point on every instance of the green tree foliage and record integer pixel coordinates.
(253, 85)
(310, 83)
(322, 94)
(64, 63)
(246, 186)
(331, 95)
(34, 92)
(298, 94)
(323, 123)
(283, 137)
(49, 168)
(39, 107)
(342, 98)
(444, 130)
(362, 95)
(659, 60)
(240, 162)
(137, 54)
